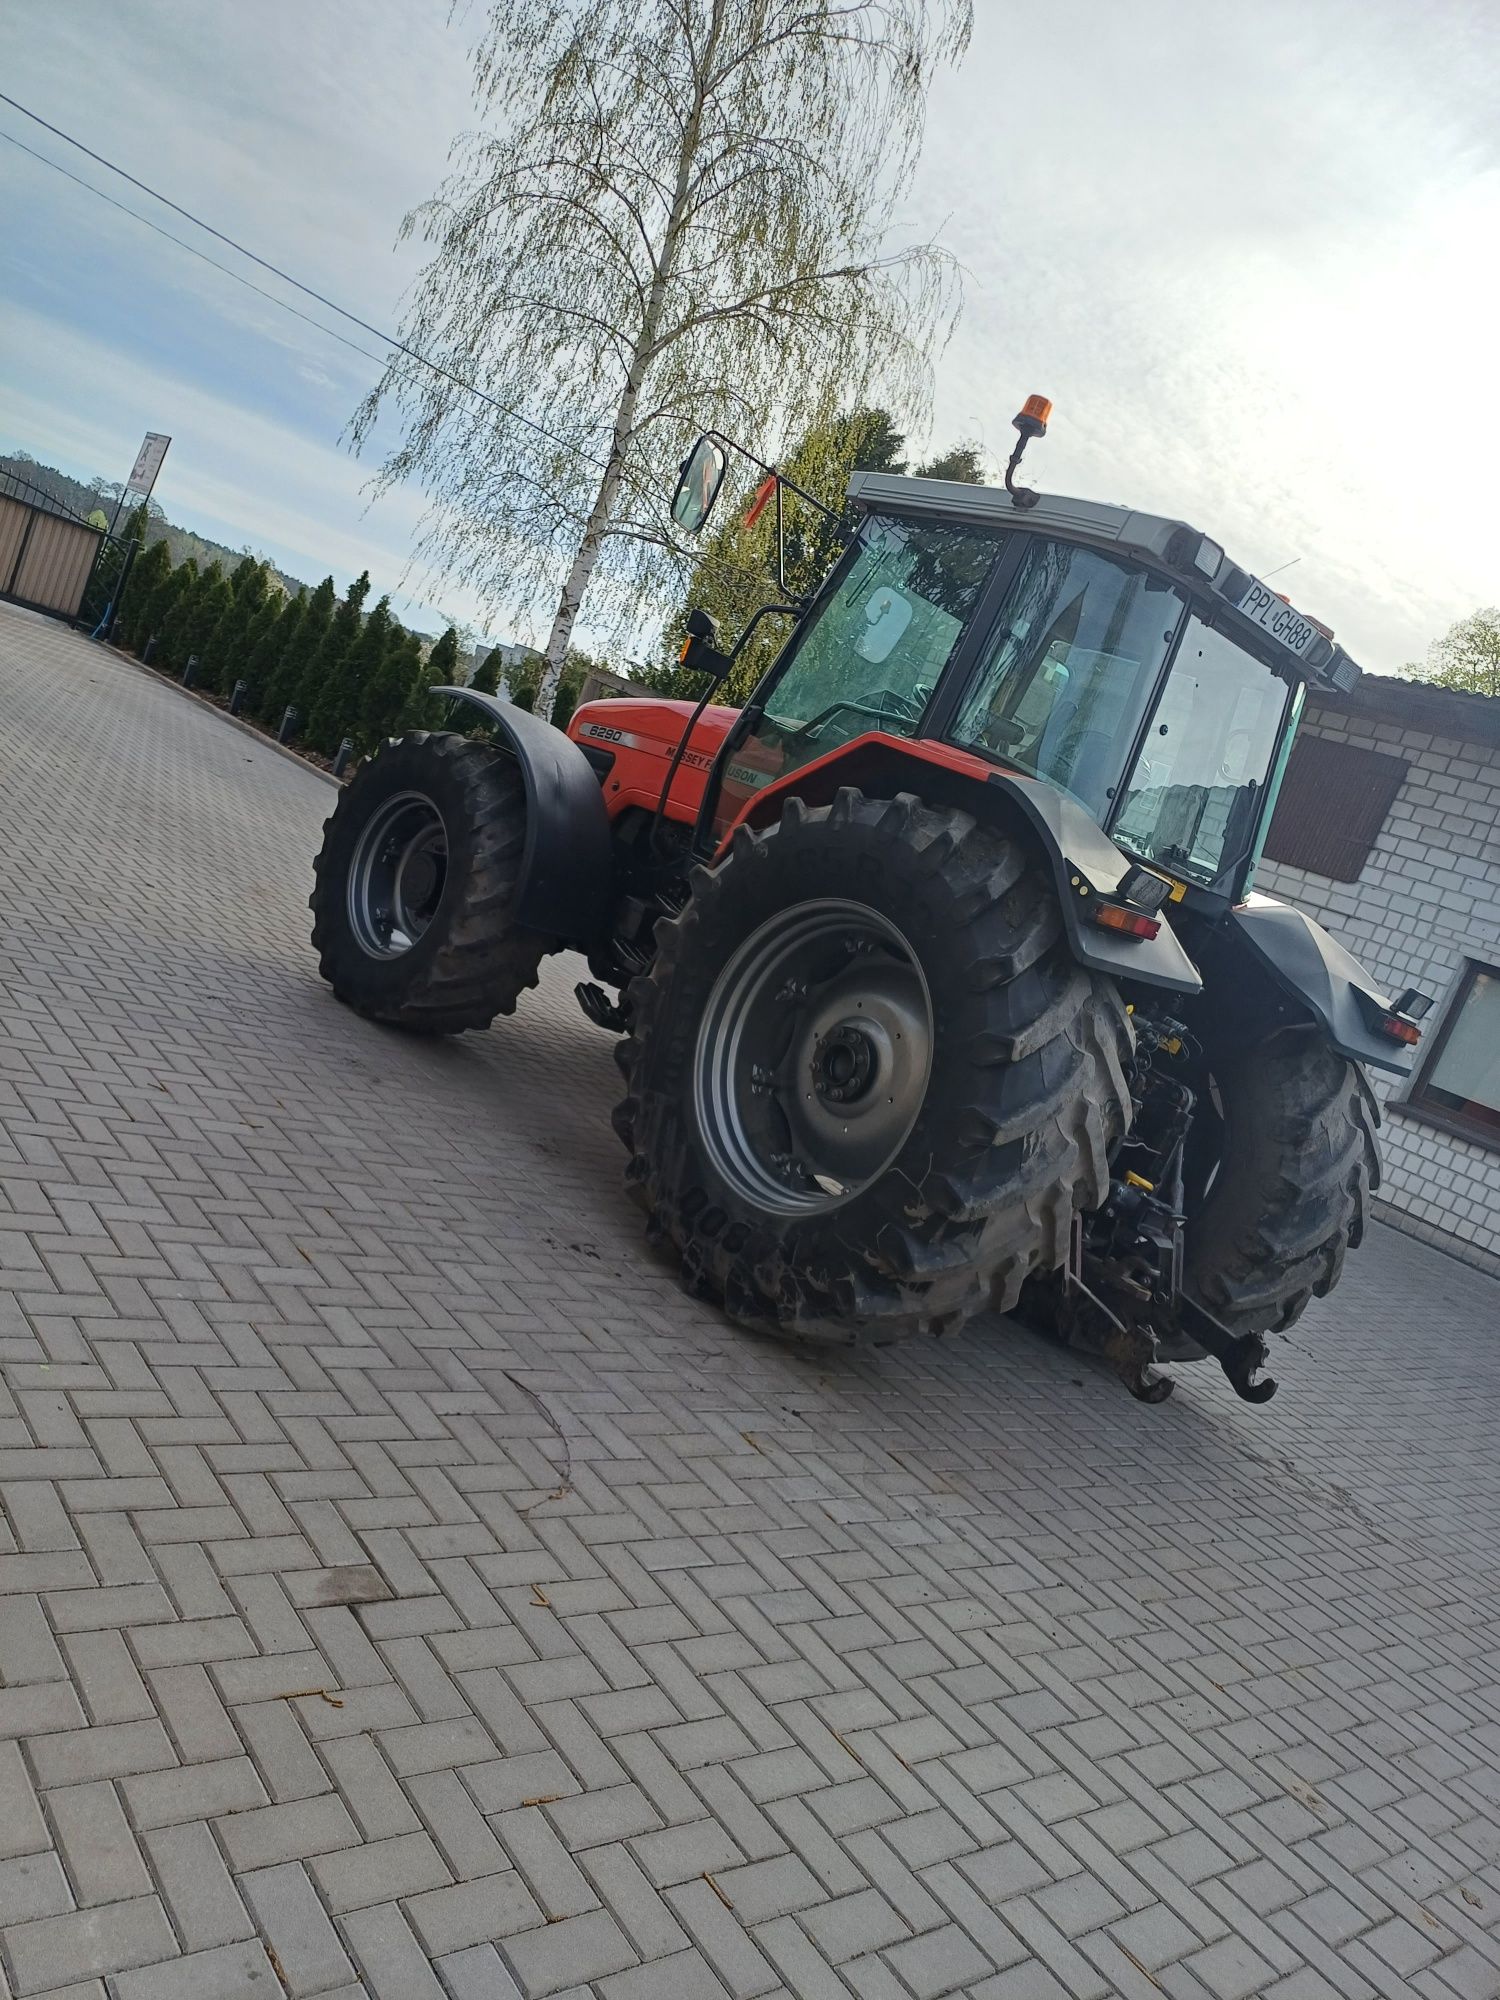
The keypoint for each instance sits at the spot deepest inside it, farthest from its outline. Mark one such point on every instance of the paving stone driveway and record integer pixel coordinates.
(395, 1564)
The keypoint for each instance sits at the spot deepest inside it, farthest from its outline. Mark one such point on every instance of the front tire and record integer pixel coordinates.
(414, 899)
(817, 1175)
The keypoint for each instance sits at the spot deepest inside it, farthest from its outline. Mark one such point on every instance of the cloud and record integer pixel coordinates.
(1239, 247)
(230, 472)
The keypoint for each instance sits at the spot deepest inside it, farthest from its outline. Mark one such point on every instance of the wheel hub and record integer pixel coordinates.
(419, 876)
(843, 1064)
(813, 1057)
(397, 874)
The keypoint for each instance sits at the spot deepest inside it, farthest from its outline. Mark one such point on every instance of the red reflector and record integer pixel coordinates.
(758, 505)
(1115, 917)
(1399, 1030)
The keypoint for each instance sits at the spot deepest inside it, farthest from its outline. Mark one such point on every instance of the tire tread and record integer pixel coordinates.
(484, 961)
(978, 1223)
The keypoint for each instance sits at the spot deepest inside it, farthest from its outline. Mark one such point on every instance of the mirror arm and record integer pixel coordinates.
(765, 611)
(828, 513)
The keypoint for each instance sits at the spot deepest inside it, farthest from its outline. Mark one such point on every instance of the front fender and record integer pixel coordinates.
(1084, 859)
(567, 864)
(1329, 981)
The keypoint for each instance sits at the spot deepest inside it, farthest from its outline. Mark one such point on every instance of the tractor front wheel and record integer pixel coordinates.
(869, 1085)
(414, 900)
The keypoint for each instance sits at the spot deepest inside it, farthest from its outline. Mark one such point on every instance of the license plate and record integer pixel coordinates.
(1265, 609)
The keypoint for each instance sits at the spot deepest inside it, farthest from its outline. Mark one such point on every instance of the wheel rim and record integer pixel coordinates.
(396, 877)
(813, 1057)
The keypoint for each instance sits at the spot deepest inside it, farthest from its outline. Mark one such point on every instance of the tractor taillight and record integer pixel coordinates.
(1133, 923)
(1399, 1020)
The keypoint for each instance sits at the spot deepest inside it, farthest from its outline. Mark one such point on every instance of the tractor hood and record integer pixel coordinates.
(640, 734)
(641, 722)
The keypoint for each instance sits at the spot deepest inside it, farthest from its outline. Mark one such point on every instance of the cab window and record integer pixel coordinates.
(871, 653)
(1196, 796)
(1070, 668)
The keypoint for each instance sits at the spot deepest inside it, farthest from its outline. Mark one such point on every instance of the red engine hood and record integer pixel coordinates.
(642, 732)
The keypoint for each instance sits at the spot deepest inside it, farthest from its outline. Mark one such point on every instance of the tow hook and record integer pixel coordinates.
(601, 1010)
(1238, 1354)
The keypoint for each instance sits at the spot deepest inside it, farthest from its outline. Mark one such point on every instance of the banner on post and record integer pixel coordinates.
(147, 464)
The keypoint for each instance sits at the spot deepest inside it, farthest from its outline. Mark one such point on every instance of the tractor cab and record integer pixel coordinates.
(1119, 657)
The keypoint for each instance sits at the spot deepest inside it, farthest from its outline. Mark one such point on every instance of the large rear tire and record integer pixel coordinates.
(1297, 1162)
(869, 1085)
(414, 899)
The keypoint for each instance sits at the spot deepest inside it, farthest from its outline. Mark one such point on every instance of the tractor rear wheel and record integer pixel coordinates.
(1283, 1182)
(869, 1085)
(413, 904)
(1282, 1160)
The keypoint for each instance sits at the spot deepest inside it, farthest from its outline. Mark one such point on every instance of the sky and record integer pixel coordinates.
(1243, 249)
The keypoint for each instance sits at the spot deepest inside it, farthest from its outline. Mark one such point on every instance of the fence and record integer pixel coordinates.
(47, 553)
(101, 595)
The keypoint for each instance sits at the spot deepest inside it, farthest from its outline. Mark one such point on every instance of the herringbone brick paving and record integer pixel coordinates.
(396, 1566)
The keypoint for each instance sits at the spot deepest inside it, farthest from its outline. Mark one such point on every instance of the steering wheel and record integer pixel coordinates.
(892, 701)
(879, 713)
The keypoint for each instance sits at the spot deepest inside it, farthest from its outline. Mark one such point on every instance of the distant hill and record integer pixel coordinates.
(81, 497)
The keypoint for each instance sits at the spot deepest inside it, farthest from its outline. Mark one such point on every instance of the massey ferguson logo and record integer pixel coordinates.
(600, 732)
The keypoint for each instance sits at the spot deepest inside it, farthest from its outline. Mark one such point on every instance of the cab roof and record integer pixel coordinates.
(1192, 557)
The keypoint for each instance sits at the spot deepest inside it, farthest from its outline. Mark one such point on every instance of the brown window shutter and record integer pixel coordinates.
(1333, 804)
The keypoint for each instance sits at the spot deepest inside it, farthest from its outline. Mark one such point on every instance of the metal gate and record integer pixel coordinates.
(100, 602)
(47, 553)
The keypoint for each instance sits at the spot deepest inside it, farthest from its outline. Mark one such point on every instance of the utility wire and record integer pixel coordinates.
(191, 248)
(331, 305)
(388, 339)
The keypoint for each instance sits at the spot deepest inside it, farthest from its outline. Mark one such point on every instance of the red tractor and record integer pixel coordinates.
(939, 979)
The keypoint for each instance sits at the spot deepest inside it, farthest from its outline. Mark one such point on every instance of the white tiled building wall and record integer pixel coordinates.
(1427, 899)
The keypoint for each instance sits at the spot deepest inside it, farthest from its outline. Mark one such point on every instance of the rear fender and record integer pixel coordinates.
(568, 861)
(1315, 970)
(1084, 860)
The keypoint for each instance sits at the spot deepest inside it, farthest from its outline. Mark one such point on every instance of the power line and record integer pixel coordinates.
(331, 305)
(191, 248)
(387, 339)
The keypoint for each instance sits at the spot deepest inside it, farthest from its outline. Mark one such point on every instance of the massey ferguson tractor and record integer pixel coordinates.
(938, 977)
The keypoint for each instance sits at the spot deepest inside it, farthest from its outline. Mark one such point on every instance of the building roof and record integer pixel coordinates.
(1439, 711)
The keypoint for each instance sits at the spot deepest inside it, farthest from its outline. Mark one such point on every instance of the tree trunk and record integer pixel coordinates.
(642, 353)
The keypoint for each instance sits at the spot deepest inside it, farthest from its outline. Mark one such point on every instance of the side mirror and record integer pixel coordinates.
(699, 652)
(698, 486)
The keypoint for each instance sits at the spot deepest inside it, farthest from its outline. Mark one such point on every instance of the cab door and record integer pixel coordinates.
(869, 656)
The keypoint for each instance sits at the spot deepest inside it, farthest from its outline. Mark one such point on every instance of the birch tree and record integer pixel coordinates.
(679, 215)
